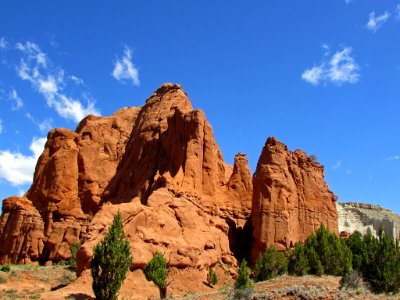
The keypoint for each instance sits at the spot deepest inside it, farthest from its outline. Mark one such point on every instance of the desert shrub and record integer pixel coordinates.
(298, 262)
(111, 260)
(270, 264)
(381, 264)
(5, 268)
(156, 271)
(243, 287)
(353, 280)
(212, 278)
(2, 280)
(74, 249)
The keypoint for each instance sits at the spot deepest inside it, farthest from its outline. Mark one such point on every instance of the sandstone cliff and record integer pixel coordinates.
(161, 160)
(290, 198)
(368, 217)
(161, 167)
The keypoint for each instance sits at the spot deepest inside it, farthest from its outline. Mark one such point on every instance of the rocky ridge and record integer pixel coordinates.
(161, 167)
(367, 217)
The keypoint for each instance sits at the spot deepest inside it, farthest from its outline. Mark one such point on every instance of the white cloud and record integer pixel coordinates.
(46, 125)
(17, 101)
(340, 68)
(348, 1)
(336, 165)
(397, 11)
(314, 75)
(34, 67)
(3, 43)
(33, 52)
(1, 126)
(76, 80)
(18, 168)
(394, 157)
(124, 69)
(376, 22)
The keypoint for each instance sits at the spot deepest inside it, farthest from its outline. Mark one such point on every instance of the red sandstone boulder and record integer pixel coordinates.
(290, 198)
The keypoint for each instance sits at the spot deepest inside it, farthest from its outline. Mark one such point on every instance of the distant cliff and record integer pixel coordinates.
(358, 216)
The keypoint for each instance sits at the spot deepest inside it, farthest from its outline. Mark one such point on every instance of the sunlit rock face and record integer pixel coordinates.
(368, 217)
(290, 198)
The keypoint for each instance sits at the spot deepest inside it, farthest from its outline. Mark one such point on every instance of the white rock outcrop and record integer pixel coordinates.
(363, 217)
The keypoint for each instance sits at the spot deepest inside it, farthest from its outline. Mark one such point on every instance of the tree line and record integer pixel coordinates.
(376, 260)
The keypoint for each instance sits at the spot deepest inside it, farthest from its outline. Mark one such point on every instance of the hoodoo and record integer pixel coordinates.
(160, 166)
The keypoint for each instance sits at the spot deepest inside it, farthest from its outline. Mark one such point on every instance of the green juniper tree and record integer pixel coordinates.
(243, 287)
(111, 260)
(156, 271)
(298, 262)
(270, 264)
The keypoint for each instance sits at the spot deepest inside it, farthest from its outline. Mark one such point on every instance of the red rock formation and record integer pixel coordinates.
(127, 158)
(160, 166)
(290, 198)
(70, 177)
(21, 231)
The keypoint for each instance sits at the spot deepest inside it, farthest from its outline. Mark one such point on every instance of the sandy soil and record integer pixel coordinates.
(24, 282)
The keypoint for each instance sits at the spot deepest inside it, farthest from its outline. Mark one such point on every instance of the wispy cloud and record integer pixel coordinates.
(397, 11)
(17, 101)
(394, 157)
(77, 80)
(338, 69)
(1, 126)
(124, 69)
(337, 165)
(376, 22)
(51, 83)
(3, 43)
(44, 126)
(348, 1)
(17, 168)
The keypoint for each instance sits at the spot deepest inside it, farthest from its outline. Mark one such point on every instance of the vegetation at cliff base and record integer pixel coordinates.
(157, 272)
(270, 264)
(111, 260)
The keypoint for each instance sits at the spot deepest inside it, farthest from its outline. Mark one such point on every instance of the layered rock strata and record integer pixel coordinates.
(290, 198)
(368, 218)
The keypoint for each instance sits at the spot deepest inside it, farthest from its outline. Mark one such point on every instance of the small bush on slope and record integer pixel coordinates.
(156, 271)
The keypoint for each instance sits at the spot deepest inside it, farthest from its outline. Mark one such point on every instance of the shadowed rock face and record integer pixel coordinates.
(290, 198)
(160, 166)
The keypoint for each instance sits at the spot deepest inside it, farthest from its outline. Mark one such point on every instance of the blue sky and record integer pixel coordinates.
(323, 76)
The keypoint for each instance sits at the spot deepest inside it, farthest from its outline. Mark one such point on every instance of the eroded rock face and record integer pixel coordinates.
(290, 198)
(367, 217)
(125, 159)
(188, 234)
(21, 231)
(70, 178)
(160, 166)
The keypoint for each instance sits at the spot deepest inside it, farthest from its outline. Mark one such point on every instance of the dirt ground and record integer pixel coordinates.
(57, 282)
